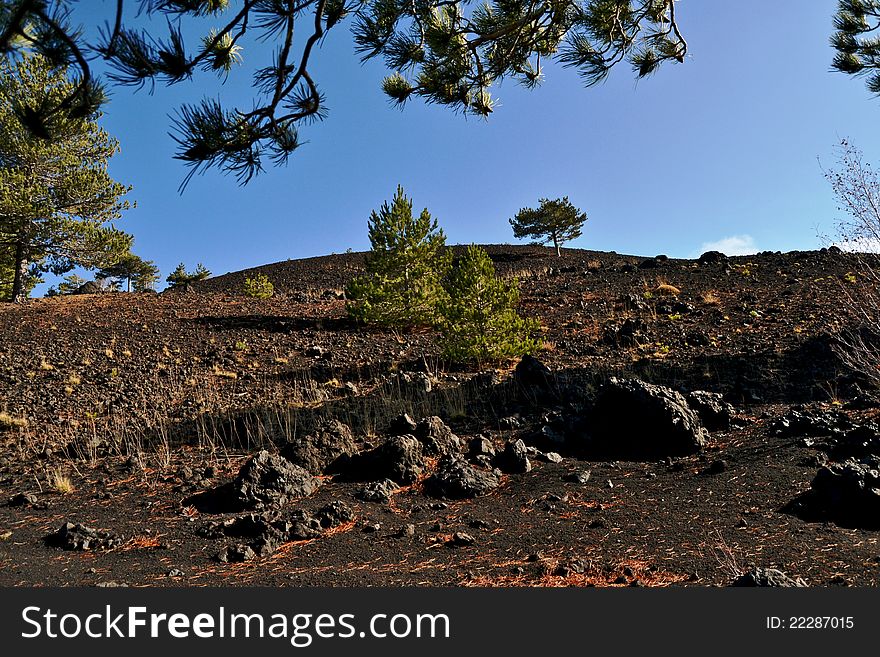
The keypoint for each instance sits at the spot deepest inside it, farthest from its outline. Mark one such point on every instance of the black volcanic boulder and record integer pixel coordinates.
(399, 458)
(322, 452)
(714, 412)
(455, 478)
(514, 458)
(72, 536)
(712, 257)
(849, 492)
(437, 439)
(270, 481)
(532, 373)
(635, 420)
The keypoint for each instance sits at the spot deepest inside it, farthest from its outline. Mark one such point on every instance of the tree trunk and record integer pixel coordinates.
(21, 263)
(556, 244)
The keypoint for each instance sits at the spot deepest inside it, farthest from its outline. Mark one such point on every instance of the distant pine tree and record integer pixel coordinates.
(180, 276)
(480, 322)
(137, 273)
(556, 221)
(405, 268)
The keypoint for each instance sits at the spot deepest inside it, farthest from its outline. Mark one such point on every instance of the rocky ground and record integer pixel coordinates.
(687, 423)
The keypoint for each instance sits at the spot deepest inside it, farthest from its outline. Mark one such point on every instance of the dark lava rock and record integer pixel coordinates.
(712, 257)
(267, 481)
(457, 479)
(514, 458)
(767, 577)
(437, 439)
(481, 446)
(637, 420)
(629, 334)
(323, 452)
(235, 554)
(714, 412)
(716, 467)
(22, 499)
(400, 459)
(334, 514)
(581, 477)
(378, 491)
(265, 532)
(79, 537)
(848, 492)
(402, 425)
(460, 539)
(532, 373)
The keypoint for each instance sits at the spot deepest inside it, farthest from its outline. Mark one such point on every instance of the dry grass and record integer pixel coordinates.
(710, 298)
(8, 422)
(60, 482)
(664, 289)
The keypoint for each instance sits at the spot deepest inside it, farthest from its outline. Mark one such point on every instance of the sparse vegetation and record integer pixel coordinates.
(9, 422)
(258, 286)
(60, 482)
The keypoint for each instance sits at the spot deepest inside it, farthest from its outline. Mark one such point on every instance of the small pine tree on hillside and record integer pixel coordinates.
(556, 221)
(258, 287)
(405, 268)
(480, 322)
(137, 273)
(180, 276)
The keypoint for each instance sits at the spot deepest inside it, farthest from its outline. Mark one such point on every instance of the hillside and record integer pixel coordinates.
(150, 404)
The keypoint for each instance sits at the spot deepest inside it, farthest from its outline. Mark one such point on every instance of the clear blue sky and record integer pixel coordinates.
(723, 146)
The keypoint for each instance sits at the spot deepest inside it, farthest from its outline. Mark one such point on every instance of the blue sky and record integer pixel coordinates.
(720, 149)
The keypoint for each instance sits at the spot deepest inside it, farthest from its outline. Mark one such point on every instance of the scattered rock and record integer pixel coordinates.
(175, 572)
(402, 425)
(581, 477)
(270, 481)
(235, 554)
(72, 536)
(714, 412)
(848, 492)
(457, 479)
(324, 452)
(399, 458)
(532, 373)
(378, 491)
(481, 446)
(514, 458)
(552, 457)
(460, 539)
(713, 257)
(22, 499)
(637, 420)
(437, 439)
(767, 577)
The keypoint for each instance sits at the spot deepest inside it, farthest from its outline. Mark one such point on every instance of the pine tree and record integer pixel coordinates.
(180, 276)
(405, 268)
(480, 322)
(448, 52)
(57, 200)
(556, 221)
(136, 272)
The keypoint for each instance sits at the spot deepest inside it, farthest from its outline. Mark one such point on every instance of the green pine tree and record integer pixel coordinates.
(180, 276)
(137, 273)
(556, 221)
(480, 322)
(405, 268)
(57, 199)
